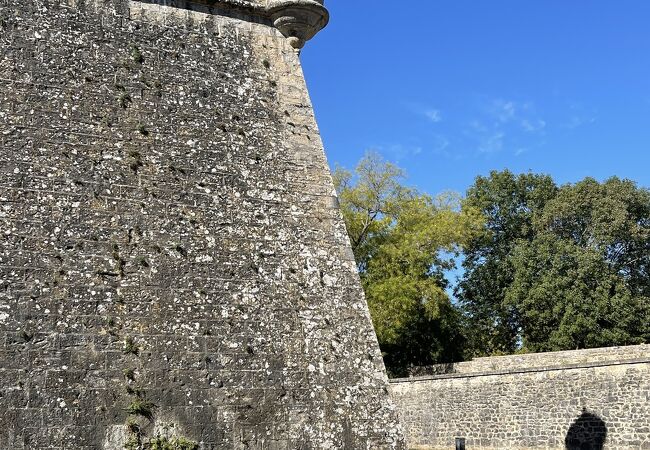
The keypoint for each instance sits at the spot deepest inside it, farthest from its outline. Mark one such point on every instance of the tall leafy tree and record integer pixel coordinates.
(404, 241)
(508, 202)
(583, 280)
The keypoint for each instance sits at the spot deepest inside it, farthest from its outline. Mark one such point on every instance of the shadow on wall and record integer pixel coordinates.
(587, 432)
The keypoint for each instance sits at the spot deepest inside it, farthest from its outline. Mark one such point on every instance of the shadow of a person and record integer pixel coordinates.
(587, 432)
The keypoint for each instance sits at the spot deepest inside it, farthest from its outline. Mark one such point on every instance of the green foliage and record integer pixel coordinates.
(136, 54)
(136, 161)
(174, 443)
(508, 203)
(141, 407)
(134, 391)
(25, 336)
(142, 129)
(133, 443)
(133, 427)
(557, 268)
(583, 280)
(130, 346)
(403, 242)
(370, 202)
(124, 99)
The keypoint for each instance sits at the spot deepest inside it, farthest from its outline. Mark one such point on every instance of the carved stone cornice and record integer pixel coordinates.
(297, 20)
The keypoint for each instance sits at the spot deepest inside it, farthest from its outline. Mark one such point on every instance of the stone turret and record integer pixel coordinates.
(298, 20)
(174, 267)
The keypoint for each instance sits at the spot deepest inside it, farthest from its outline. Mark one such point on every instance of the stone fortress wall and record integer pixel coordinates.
(557, 400)
(173, 261)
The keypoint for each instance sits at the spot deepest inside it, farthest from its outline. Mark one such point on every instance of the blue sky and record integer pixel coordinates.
(452, 89)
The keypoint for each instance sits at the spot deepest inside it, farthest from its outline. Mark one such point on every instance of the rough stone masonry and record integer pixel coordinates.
(174, 268)
(596, 399)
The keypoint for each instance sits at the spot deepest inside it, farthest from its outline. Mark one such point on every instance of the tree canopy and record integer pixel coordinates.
(404, 241)
(558, 267)
(545, 267)
(508, 202)
(583, 280)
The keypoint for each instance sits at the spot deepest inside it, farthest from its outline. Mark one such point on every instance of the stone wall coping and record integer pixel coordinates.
(634, 361)
(534, 360)
(297, 20)
(587, 351)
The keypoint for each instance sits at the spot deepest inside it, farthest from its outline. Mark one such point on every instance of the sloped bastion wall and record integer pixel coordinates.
(173, 262)
(587, 399)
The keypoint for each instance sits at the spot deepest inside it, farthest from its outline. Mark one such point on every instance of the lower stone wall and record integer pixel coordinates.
(547, 403)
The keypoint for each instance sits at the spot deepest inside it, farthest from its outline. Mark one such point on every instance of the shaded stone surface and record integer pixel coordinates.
(170, 234)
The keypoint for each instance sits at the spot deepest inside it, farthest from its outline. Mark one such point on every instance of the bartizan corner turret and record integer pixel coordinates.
(298, 20)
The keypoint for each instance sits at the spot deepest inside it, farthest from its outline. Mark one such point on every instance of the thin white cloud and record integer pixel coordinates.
(513, 112)
(492, 143)
(578, 121)
(579, 116)
(478, 126)
(503, 124)
(533, 125)
(397, 152)
(440, 144)
(503, 110)
(433, 115)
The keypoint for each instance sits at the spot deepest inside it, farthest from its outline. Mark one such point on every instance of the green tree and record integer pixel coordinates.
(583, 280)
(508, 203)
(403, 242)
